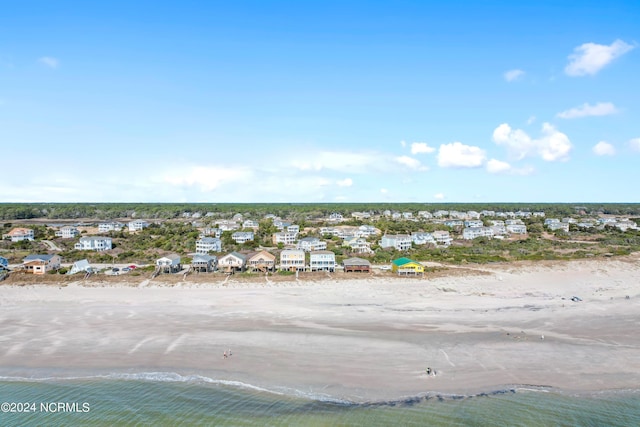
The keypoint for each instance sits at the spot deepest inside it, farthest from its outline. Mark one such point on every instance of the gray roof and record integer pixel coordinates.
(356, 261)
(203, 258)
(37, 257)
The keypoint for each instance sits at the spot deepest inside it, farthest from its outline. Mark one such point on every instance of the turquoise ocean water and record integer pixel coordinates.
(173, 400)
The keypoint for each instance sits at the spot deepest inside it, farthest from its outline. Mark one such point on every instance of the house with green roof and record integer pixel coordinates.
(406, 266)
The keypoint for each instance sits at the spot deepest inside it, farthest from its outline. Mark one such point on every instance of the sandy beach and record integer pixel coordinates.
(513, 325)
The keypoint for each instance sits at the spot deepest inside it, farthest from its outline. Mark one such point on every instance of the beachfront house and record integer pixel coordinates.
(401, 242)
(169, 264)
(262, 261)
(233, 262)
(94, 243)
(68, 232)
(322, 261)
(81, 266)
(406, 266)
(203, 263)
(137, 225)
(292, 259)
(309, 244)
(356, 265)
(41, 264)
(205, 245)
(241, 237)
(19, 234)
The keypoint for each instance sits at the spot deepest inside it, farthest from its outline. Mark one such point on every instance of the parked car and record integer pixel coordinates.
(132, 267)
(126, 269)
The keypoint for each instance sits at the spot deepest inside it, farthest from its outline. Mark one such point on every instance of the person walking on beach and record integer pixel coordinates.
(224, 355)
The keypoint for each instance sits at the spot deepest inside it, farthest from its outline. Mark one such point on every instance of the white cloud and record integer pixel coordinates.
(553, 145)
(410, 162)
(496, 166)
(589, 58)
(603, 148)
(499, 167)
(513, 75)
(49, 61)
(347, 182)
(459, 155)
(341, 161)
(438, 196)
(384, 190)
(586, 110)
(635, 144)
(207, 178)
(421, 147)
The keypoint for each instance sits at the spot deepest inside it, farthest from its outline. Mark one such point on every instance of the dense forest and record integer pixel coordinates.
(105, 211)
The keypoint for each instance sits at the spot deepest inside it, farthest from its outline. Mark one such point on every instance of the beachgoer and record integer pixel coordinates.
(428, 371)
(224, 355)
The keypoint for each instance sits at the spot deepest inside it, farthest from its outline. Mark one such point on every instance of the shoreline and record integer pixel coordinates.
(359, 340)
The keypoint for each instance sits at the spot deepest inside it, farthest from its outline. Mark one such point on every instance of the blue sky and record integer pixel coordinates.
(350, 101)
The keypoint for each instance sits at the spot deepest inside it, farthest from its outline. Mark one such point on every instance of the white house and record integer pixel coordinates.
(292, 259)
(401, 242)
(293, 228)
(137, 225)
(233, 261)
(358, 245)
(309, 244)
(322, 261)
(442, 237)
(241, 237)
(81, 266)
(553, 226)
(205, 245)
(422, 238)
(473, 223)
(249, 223)
(169, 263)
(209, 231)
(19, 234)
(110, 226)
(517, 228)
(470, 233)
(336, 217)
(285, 238)
(280, 224)
(94, 243)
(226, 225)
(68, 232)
(425, 214)
(366, 231)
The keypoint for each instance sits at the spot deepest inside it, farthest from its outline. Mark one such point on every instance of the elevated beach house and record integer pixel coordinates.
(406, 266)
(137, 225)
(292, 259)
(41, 264)
(262, 261)
(401, 242)
(309, 244)
(355, 264)
(203, 263)
(169, 264)
(232, 262)
(322, 261)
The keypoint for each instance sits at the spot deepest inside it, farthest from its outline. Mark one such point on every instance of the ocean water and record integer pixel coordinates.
(174, 400)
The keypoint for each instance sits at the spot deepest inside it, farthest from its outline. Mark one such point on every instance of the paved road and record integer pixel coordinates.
(52, 246)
